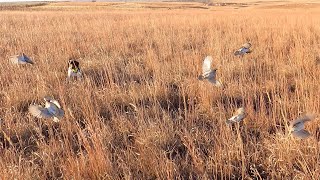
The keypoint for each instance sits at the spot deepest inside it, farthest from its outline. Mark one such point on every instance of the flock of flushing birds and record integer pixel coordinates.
(52, 108)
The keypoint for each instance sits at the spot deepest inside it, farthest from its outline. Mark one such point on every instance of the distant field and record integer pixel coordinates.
(141, 112)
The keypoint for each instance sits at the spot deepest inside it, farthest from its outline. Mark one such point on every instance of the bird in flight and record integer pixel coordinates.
(296, 127)
(20, 59)
(238, 116)
(208, 73)
(52, 109)
(245, 49)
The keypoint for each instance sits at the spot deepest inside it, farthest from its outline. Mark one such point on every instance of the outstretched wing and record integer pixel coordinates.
(230, 121)
(211, 76)
(16, 60)
(246, 45)
(302, 134)
(242, 51)
(20, 59)
(26, 59)
(240, 111)
(235, 118)
(303, 119)
(59, 113)
(238, 52)
(55, 111)
(55, 102)
(245, 50)
(218, 84)
(39, 111)
(206, 66)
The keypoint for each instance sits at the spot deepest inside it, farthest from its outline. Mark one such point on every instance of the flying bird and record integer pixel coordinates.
(243, 50)
(20, 59)
(52, 109)
(208, 73)
(238, 116)
(296, 127)
(74, 69)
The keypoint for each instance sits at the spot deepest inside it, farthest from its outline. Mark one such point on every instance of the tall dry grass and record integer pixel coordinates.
(151, 59)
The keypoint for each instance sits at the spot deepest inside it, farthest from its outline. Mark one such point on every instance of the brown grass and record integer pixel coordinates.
(151, 58)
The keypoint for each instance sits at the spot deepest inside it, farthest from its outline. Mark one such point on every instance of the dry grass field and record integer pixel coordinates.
(141, 112)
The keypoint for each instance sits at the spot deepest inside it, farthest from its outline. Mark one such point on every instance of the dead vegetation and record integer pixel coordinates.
(20, 6)
(141, 113)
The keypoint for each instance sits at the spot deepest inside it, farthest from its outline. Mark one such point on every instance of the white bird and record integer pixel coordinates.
(20, 59)
(243, 50)
(296, 127)
(52, 109)
(208, 73)
(74, 69)
(238, 116)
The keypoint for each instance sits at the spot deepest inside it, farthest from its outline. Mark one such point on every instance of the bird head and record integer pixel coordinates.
(47, 98)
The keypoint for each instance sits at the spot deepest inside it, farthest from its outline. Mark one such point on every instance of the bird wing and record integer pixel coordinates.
(16, 60)
(236, 53)
(245, 50)
(60, 113)
(303, 119)
(242, 51)
(39, 111)
(246, 45)
(23, 59)
(229, 122)
(232, 120)
(235, 118)
(240, 117)
(239, 52)
(206, 66)
(55, 111)
(55, 102)
(302, 134)
(26, 59)
(211, 76)
(240, 111)
(218, 84)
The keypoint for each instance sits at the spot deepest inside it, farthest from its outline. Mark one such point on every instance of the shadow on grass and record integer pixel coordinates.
(25, 141)
(175, 103)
